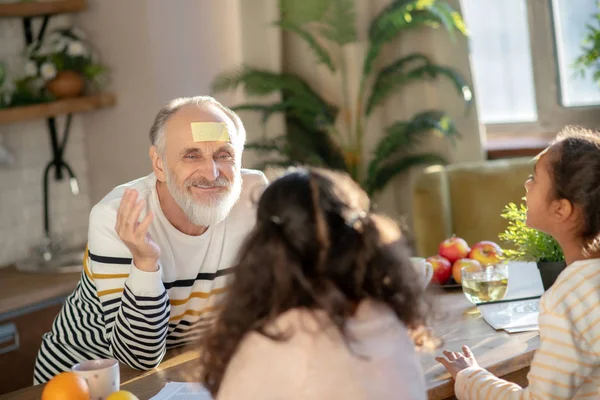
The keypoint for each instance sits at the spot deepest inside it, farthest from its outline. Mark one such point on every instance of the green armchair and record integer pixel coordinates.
(465, 200)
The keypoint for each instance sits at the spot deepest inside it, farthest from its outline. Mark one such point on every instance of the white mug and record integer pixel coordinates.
(424, 269)
(102, 377)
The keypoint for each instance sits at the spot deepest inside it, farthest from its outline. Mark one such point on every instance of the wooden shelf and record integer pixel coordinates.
(40, 8)
(76, 105)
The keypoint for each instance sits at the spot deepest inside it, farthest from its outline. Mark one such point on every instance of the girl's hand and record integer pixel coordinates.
(455, 362)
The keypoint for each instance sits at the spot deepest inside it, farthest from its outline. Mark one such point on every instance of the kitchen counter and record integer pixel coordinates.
(20, 290)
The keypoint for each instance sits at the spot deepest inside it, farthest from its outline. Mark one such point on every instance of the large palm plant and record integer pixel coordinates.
(312, 136)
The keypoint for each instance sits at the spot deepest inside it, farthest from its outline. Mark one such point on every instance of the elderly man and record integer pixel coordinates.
(160, 248)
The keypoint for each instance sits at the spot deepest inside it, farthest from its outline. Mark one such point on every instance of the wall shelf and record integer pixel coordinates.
(79, 104)
(41, 8)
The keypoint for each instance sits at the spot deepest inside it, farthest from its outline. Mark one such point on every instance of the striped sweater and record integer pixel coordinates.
(567, 364)
(118, 311)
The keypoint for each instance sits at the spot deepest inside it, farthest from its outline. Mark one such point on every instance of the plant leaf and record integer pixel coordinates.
(278, 144)
(384, 173)
(321, 53)
(266, 109)
(528, 244)
(299, 146)
(590, 48)
(340, 22)
(274, 163)
(402, 137)
(457, 79)
(390, 77)
(401, 15)
(299, 98)
(313, 147)
(304, 11)
(446, 15)
(398, 74)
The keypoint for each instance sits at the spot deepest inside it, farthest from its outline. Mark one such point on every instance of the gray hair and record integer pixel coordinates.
(157, 134)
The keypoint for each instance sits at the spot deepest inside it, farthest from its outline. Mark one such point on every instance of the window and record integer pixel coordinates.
(569, 23)
(501, 60)
(522, 53)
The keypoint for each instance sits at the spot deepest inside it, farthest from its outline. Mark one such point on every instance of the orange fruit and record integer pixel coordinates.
(122, 395)
(66, 386)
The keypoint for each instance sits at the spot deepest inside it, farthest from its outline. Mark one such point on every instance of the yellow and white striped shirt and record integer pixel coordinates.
(118, 311)
(567, 364)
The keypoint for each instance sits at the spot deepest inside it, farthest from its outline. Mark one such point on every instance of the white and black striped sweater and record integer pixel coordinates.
(118, 311)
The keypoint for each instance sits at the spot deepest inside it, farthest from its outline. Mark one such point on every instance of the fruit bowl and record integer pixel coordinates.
(454, 254)
(451, 284)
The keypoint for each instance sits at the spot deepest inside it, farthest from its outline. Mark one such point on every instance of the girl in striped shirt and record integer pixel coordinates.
(563, 200)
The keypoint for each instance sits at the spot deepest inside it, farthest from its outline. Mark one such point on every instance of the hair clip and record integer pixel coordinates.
(355, 218)
(276, 220)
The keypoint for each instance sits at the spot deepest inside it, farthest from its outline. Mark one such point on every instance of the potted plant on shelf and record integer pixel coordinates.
(60, 66)
(333, 135)
(529, 244)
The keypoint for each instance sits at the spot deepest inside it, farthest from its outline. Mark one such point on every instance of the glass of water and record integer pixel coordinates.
(482, 284)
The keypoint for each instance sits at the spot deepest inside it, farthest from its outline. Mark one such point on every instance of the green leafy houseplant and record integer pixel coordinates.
(590, 58)
(333, 135)
(529, 244)
(64, 51)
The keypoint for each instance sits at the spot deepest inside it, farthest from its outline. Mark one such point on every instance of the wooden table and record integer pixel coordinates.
(506, 355)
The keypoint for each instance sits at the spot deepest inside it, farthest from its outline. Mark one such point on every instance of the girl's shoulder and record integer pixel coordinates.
(577, 285)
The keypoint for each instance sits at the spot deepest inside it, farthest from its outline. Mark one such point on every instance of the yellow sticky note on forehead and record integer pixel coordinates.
(210, 132)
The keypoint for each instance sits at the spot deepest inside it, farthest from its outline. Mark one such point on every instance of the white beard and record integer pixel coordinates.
(211, 210)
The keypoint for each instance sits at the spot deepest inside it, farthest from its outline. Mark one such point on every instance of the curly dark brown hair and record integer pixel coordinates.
(316, 246)
(575, 169)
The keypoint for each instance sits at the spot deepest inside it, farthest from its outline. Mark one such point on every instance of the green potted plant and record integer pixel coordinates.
(333, 135)
(60, 66)
(528, 244)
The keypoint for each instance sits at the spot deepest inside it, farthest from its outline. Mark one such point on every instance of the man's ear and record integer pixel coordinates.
(157, 164)
(563, 209)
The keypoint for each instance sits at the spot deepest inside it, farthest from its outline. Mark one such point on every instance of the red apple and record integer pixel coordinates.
(442, 269)
(454, 249)
(486, 252)
(464, 262)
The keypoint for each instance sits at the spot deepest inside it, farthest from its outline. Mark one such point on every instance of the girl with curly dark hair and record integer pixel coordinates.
(325, 303)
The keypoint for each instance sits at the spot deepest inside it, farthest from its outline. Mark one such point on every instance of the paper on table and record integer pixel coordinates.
(528, 328)
(183, 391)
(516, 314)
(524, 280)
(519, 315)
